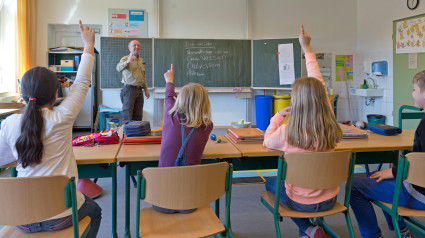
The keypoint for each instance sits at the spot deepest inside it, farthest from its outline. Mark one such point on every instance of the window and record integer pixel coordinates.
(8, 46)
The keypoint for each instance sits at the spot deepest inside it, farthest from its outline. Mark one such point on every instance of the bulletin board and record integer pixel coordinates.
(127, 23)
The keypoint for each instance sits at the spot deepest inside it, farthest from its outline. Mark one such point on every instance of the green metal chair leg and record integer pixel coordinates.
(396, 227)
(276, 224)
(349, 224)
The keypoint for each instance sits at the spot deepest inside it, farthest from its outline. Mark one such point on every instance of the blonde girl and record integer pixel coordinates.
(187, 126)
(311, 126)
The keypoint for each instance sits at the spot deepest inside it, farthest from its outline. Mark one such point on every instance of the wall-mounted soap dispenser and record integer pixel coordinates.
(380, 68)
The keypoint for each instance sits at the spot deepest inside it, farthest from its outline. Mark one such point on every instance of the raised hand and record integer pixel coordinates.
(305, 39)
(87, 35)
(285, 112)
(169, 75)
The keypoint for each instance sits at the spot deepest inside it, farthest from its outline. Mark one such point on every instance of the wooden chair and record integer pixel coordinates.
(26, 200)
(410, 169)
(182, 188)
(318, 170)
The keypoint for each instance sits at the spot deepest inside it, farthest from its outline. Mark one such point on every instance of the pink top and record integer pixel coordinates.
(275, 139)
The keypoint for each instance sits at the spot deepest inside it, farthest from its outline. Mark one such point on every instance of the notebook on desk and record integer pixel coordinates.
(243, 133)
(352, 132)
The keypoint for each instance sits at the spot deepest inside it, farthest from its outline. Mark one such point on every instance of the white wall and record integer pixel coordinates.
(218, 19)
(374, 43)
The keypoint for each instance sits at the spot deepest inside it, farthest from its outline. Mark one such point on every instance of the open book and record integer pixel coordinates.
(352, 132)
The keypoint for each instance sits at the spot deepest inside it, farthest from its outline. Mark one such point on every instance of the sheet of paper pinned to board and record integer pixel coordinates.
(286, 63)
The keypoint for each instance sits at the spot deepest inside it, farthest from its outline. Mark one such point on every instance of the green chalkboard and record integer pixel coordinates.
(266, 63)
(212, 63)
(112, 49)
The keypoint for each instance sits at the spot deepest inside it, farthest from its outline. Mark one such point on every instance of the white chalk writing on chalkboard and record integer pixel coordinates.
(202, 56)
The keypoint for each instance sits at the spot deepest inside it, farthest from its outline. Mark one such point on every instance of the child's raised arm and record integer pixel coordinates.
(87, 34)
(310, 58)
(305, 39)
(169, 75)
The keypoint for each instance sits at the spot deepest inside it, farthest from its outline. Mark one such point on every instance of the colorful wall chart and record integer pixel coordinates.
(127, 23)
(343, 67)
(410, 36)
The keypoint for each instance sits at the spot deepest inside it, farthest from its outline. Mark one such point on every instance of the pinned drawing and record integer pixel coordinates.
(410, 37)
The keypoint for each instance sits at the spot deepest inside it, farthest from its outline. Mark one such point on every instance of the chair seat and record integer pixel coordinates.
(11, 231)
(288, 212)
(203, 222)
(406, 212)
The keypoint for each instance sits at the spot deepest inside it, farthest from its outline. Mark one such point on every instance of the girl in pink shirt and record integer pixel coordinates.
(311, 127)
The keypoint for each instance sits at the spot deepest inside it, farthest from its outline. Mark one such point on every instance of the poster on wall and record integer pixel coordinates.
(286, 64)
(343, 67)
(127, 23)
(410, 36)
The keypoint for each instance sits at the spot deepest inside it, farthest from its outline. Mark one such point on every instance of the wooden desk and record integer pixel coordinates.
(96, 154)
(150, 152)
(100, 162)
(137, 157)
(9, 111)
(377, 142)
(11, 105)
(255, 149)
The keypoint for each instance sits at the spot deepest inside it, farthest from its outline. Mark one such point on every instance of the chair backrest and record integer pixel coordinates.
(415, 171)
(31, 199)
(317, 170)
(185, 187)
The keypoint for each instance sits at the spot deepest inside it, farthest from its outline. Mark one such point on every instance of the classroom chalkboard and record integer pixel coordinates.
(210, 62)
(266, 65)
(112, 49)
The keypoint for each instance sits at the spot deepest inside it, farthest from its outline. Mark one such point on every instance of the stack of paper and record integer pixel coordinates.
(245, 135)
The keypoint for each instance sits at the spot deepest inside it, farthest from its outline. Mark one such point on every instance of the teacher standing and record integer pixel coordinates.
(133, 71)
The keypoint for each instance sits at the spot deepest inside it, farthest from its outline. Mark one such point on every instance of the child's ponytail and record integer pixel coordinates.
(29, 144)
(39, 88)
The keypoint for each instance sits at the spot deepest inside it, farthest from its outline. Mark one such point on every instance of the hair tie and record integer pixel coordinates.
(32, 99)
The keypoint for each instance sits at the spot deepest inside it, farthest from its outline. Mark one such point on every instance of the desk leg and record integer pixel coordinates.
(114, 199)
(217, 207)
(13, 172)
(127, 200)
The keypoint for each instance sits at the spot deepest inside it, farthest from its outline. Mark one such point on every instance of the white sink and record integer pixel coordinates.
(367, 92)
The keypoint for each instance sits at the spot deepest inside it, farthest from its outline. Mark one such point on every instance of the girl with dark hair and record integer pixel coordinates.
(39, 139)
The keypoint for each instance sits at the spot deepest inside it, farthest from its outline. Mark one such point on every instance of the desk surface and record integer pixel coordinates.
(150, 152)
(96, 154)
(377, 142)
(8, 111)
(255, 149)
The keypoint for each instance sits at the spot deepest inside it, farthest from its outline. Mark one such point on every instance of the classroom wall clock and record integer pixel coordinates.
(412, 4)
